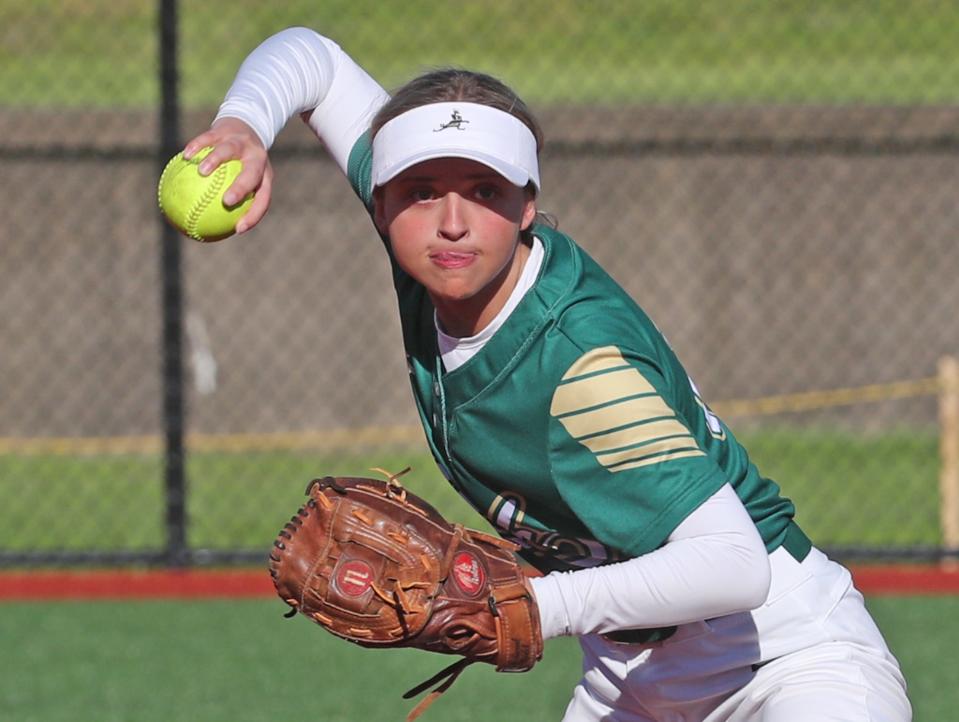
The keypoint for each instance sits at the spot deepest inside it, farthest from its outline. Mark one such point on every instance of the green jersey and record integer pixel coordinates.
(575, 430)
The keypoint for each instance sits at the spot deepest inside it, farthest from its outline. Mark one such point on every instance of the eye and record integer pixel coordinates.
(487, 192)
(420, 194)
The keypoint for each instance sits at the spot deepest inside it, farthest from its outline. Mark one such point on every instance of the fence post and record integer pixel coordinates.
(949, 457)
(172, 299)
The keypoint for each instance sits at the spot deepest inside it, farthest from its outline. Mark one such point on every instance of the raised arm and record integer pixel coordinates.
(296, 71)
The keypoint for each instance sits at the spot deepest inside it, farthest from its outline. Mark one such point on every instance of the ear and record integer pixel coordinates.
(529, 212)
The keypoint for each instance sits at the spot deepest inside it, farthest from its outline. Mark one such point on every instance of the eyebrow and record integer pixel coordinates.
(483, 175)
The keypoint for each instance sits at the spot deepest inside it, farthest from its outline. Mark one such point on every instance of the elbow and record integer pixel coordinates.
(745, 564)
(756, 575)
(762, 579)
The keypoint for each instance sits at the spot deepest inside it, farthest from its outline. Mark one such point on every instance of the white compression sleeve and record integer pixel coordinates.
(687, 579)
(300, 71)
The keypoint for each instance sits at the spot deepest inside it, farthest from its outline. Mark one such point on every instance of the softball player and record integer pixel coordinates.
(557, 409)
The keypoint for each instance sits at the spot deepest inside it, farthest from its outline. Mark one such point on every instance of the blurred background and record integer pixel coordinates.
(775, 183)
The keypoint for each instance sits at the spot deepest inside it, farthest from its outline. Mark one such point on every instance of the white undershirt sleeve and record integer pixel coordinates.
(714, 563)
(350, 104)
(298, 71)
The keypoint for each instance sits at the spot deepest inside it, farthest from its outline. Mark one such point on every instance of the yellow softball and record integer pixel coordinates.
(194, 203)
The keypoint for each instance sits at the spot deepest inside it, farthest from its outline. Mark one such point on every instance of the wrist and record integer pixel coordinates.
(552, 610)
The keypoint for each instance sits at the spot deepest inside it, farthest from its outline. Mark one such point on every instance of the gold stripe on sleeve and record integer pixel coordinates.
(599, 359)
(658, 459)
(601, 389)
(682, 443)
(609, 407)
(623, 413)
(634, 435)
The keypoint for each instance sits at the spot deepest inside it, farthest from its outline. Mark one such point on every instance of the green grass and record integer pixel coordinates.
(235, 500)
(923, 632)
(856, 489)
(98, 53)
(239, 661)
(850, 489)
(232, 661)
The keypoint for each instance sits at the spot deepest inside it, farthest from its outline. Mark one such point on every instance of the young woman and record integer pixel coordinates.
(556, 408)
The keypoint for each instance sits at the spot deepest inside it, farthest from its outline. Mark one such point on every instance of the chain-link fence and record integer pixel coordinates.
(775, 183)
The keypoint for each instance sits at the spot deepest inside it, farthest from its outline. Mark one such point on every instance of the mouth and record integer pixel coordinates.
(452, 259)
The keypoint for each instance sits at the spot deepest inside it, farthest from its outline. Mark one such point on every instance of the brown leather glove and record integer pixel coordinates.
(378, 566)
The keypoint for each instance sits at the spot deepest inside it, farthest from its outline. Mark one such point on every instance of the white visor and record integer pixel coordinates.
(456, 130)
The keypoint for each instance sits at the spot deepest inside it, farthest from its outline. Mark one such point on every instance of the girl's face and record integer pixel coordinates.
(454, 226)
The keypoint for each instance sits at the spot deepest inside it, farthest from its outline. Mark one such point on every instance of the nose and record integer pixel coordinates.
(452, 221)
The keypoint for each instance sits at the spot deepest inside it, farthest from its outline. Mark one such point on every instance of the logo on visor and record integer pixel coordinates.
(455, 122)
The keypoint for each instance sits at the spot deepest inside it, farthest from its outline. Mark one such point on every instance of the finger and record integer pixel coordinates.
(248, 181)
(260, 205)
(222, 152)
(194, 146)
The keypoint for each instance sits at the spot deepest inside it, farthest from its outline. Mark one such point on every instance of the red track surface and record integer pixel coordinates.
(232, 584)
(135, 585)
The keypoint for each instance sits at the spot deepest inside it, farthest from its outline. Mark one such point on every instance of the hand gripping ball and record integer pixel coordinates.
(194, 203)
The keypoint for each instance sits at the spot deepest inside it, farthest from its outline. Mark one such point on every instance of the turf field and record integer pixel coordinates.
(239, 661)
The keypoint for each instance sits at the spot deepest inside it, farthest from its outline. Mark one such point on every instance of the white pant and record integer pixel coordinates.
(811, 652)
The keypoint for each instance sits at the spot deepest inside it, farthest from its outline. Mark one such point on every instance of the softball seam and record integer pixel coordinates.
(211, 193)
